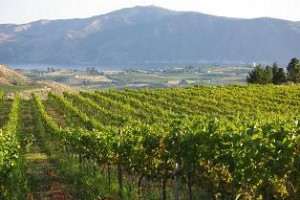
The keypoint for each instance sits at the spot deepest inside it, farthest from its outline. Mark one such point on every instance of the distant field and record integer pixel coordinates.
(217, 142)
(158, 78)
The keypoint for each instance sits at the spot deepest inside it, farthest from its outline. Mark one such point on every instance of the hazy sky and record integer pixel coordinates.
(23, 11)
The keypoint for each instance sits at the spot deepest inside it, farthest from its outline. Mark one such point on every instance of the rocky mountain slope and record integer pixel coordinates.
(150, 35)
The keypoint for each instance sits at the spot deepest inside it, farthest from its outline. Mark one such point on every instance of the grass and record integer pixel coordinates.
(18, 88)
(36, 156)
(4, 111)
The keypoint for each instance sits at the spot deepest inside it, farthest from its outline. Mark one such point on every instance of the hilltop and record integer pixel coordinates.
(10, 77)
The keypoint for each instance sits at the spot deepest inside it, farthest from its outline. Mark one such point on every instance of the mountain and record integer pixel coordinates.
(150, 35)
(10, 77)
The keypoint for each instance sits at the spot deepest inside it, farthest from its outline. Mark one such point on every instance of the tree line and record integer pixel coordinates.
(275, 74)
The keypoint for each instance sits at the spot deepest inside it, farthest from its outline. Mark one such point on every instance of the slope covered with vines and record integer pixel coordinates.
(229, 141)
(226, 142)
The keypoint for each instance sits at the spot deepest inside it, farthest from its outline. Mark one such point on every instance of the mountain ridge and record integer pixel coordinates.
(150, 35)
(153, 7)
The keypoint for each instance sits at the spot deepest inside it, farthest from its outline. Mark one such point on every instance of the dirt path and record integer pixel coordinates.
(45, 183)
(55, 114)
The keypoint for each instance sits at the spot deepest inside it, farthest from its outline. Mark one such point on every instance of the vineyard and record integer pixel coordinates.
(223, 142)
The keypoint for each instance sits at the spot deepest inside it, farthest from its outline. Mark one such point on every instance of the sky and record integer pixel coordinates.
(24, 11)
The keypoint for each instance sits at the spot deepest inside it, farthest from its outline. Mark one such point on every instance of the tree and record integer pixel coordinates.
(93, 71)
(267, 75)
(275, 68)
(254, 75)
(260, 75)
(279, 76)
(293, 70)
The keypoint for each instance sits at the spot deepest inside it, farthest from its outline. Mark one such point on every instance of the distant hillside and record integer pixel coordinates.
(150, 35)
(10, 77)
